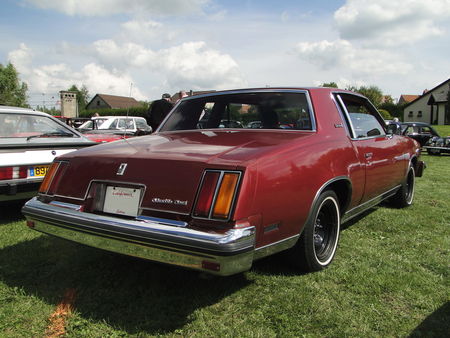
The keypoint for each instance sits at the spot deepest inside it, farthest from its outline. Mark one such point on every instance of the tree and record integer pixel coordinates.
(373, 93)
(329, 84)
(82, 96)
(13, 92)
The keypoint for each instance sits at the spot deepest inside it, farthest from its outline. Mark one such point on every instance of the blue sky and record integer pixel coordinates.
(402, 46)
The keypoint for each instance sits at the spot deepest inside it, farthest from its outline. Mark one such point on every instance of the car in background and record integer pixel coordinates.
(216, 199)
(29, 141)
(419, 131)
(438, 145)
(112, 128)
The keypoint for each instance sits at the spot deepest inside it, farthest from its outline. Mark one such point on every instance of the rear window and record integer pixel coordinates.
(266, 110)
(25, 125)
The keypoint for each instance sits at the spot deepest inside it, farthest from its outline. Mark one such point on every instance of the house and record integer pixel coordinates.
(100, 101)
(430, 107)
(404, 99)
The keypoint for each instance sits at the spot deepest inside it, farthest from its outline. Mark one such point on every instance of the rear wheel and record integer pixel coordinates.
(317, 244)
(404, 197)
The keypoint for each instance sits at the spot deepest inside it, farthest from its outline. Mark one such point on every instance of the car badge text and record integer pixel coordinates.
(158, 200)
(121, 169)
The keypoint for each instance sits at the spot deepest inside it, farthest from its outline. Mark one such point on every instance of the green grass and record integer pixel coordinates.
(443, 130)
(390, 278)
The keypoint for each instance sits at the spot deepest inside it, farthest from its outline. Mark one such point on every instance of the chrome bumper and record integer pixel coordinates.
(154, 239)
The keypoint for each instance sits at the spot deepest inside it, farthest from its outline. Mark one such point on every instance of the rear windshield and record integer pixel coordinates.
(242, 111)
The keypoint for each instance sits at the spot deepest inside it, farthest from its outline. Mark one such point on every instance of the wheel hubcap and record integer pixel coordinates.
(325, 231)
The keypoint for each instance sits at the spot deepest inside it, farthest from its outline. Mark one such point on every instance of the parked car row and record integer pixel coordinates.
(204, 195)
(111, 128)
(423, 133)
(30, 140)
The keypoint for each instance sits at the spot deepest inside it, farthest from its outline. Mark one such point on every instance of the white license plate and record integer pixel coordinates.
(122, 201)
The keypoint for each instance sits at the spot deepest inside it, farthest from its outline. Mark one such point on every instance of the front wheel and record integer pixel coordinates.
(317, 244)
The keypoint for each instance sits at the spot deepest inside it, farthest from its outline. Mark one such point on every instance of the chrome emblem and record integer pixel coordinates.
(121, 169)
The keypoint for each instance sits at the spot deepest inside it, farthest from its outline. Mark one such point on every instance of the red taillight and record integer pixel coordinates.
(206, 195)
(10, 173)
(216, 195)
(52, 178)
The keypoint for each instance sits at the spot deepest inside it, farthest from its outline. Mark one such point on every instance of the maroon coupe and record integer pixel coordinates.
(202, 195)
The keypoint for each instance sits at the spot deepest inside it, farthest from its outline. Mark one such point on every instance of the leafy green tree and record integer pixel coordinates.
(82, 96)
(386, 115)
(13, 92)
(373, 93)
(329, 84)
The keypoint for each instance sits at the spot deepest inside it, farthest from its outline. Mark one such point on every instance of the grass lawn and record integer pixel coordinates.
(442, 130)
(390, 278)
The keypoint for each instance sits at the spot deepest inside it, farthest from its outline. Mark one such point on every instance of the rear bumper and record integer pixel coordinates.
(153, 239)
(18, 190)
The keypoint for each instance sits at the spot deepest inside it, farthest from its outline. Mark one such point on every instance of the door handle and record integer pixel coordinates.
(368, 155)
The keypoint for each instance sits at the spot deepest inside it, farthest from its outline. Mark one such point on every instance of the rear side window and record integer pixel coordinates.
(264, 110)
(363, 120)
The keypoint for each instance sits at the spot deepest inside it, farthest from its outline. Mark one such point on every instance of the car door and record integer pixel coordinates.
(381, 154)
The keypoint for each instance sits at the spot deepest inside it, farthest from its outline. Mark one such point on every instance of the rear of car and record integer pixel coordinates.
(29, 142)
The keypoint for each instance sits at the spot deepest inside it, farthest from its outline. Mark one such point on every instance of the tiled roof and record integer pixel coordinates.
(408, 98)
(118, 101)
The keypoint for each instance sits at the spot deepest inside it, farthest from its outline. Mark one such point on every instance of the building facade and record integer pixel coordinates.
(431, 107)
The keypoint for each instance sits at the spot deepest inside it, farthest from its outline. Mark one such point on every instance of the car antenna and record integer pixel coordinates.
(128, 110)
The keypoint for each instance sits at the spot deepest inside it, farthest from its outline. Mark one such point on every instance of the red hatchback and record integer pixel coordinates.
(203, 196)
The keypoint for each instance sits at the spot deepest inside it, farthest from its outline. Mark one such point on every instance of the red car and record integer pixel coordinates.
(216, 199)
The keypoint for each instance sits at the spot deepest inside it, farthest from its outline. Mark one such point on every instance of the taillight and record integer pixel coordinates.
(217, 193)
(52, 178)
(10, 173)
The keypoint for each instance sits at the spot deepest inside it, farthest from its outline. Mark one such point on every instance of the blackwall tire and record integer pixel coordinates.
(405, 196)
(318, 242)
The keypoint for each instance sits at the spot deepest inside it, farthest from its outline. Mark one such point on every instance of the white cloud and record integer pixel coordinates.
(343, 55)
(21, 58)
(387, 22)
(111, 7)
(55, 77)
(189, 65)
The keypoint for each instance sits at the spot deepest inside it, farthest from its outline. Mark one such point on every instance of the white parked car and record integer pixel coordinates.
(130, 124)
(29, 141)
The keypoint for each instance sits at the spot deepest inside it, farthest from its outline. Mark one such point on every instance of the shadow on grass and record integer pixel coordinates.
(437, 323)
(129, 294)
(282, 263)
(10, 212)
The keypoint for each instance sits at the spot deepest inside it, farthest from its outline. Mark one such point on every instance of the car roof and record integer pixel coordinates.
(423, 124)
(20, 110)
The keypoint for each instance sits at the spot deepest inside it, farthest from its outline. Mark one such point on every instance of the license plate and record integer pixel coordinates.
(37, 171)
(122, 201)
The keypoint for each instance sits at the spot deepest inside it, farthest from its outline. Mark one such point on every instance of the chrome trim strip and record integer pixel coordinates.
(165, 221)
(157, 241)
(166, 211)
(71, 206)
(369, 204)
(273, 248)
(21, 180)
